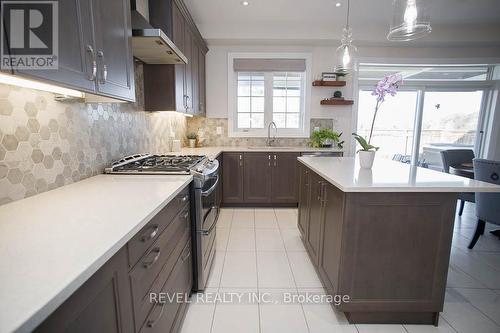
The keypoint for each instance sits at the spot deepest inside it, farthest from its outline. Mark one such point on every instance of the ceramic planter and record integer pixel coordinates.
(366, 158)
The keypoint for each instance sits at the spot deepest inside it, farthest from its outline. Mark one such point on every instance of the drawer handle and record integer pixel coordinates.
(148, 264)
(186, 215)
(151, 235)
(152, 322)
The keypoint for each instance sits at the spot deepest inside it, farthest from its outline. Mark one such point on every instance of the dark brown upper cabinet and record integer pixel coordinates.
(177, 87)
(95, 53)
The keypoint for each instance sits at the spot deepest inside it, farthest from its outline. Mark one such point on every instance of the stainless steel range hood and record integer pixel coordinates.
(154, 47)
(150, 44)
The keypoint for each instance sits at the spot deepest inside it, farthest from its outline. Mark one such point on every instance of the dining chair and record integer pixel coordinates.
(487, 204)
(453, 157)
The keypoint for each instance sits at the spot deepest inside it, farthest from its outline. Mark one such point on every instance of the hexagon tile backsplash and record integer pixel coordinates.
(45, 144)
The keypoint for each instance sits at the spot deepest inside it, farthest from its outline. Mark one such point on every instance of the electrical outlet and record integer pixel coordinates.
(316, 128)
(219, 130)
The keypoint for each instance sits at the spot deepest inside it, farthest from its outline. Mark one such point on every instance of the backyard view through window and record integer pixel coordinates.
(449, 112)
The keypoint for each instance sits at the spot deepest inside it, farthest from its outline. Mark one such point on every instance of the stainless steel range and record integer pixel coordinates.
(204, 208)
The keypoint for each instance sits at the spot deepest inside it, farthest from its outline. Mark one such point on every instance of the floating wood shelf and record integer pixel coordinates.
(320, 83)
(337, 102)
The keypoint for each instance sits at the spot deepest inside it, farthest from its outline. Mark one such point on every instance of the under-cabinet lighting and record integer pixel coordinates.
(337, 4)
(27, 83)
(187, 115)
(245, 3)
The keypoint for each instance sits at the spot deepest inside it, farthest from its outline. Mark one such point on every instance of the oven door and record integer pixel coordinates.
(207, 229)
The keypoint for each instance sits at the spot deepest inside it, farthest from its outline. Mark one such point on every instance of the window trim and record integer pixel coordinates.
(232, 91)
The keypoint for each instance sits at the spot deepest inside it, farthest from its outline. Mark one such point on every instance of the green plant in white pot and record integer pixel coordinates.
(388, 85)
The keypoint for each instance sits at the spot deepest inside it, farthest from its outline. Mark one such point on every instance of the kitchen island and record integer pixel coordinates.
(381, 236)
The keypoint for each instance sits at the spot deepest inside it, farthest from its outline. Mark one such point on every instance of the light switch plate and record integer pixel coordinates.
(219, 130)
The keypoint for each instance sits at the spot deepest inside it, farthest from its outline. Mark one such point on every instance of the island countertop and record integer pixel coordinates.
(51, 243)
(389, 176)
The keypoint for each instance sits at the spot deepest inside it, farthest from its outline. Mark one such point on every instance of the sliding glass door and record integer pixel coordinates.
(393, 131)
(449, 120)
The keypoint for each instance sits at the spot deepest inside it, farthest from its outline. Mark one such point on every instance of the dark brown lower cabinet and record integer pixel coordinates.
(284, 185)
(313, 234)
(117, 297)
(232, 178)
(388, 252)
(260, 178)
(102, 304)
(257, 178)
(304, 198)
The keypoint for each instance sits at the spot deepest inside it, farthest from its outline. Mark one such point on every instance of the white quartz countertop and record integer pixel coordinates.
(213, 152)
(51, 243)
(390, 176)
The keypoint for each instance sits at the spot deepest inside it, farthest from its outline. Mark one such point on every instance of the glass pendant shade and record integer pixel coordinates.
(345, 53)
(410, 20)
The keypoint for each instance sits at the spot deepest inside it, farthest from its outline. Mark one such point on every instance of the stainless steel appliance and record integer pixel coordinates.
(204, 208)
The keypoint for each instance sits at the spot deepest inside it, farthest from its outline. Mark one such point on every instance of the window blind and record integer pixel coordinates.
(269, 65)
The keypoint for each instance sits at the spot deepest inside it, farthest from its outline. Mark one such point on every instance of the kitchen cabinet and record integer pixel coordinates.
(232, 178)
(351, 236)
(304, 199)
(102, 304)
(313, 234)
(257, 177)
(331, 237)
(218, 194)
(265, 178)
(284, 177)
(95, 53)
(177, 87)
(158, 259)
(202, 90)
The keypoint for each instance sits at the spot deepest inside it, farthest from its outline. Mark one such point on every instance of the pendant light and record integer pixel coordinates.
(346, 51)
(410, 20)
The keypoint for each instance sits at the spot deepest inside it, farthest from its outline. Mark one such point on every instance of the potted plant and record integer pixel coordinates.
(325, 138)
(192, 139)
(388, 85)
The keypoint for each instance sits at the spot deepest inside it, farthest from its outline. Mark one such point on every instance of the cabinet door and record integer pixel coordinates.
(331, 237)
(178, 29)
(195, 78)
(188, 80)
(284, 178)
(219, 188)
(202, 83)
(113, 33)
(315, 217)
(232, 179)
(257, 179)
(102, 305)
(76, 48)
(304, 199)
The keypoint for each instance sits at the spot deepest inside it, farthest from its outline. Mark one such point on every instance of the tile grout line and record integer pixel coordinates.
(291, 270)
(222, 270)
(478, 309)
(257, 271)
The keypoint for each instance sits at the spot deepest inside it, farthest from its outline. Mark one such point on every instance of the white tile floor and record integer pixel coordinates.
(259, 250)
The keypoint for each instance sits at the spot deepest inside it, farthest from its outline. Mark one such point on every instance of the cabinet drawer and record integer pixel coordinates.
(150, 265)
(166, 315)
(138, 245)
(143, 307)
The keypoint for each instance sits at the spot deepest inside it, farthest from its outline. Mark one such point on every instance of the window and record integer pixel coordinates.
(268, 90)
(436, 108)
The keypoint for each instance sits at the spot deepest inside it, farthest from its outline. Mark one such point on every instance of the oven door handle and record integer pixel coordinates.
(207, 232)
(211, 189)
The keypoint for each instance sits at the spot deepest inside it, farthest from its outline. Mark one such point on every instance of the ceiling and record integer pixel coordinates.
(453, 21)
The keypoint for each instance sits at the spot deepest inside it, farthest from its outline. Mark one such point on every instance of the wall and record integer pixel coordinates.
(344, 117)
(45, 144)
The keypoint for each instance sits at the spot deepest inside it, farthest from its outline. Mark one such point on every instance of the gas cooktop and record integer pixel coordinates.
(154, 164)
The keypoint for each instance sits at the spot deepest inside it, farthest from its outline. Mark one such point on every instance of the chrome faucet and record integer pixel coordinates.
(270, 141)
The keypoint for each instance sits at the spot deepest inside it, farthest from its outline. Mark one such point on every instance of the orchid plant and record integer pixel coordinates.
(388, 85)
